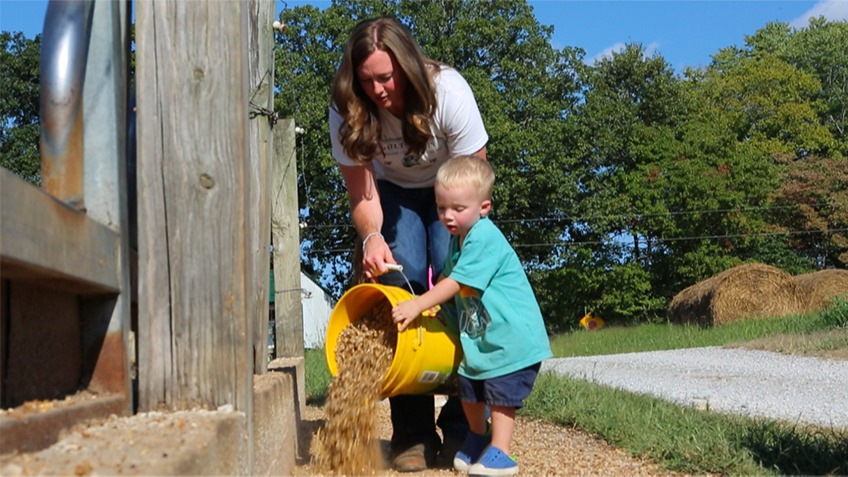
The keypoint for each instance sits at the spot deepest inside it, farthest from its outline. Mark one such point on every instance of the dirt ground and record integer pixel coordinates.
(540, 448)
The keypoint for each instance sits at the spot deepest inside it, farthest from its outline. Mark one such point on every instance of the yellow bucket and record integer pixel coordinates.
(427, 352)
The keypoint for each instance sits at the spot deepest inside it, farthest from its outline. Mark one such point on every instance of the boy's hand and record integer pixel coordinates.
(404, 313)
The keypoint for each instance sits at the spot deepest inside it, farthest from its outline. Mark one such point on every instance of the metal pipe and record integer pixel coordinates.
(64, 52)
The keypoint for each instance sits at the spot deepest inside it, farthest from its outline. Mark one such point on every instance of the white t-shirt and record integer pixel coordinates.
(457, 129)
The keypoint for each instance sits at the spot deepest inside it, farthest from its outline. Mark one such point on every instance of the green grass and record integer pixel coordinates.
(317, 376)
(655, 337)
(680, 439)
(684, 439)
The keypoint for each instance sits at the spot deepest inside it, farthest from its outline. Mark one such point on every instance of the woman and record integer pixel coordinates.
(396, 116)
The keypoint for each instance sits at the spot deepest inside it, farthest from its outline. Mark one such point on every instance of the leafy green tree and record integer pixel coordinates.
(19, 115)
(767, 100)
(785, 94)
(619, 183)
(624, 132)
(819, 50)
(814, 204)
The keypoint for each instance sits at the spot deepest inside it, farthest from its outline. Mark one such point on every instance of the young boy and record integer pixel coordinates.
(501, 329)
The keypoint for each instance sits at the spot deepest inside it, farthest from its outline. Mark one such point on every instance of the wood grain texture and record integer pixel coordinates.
(285, 231)
(193, 177)
(46, 240)
(261, 82)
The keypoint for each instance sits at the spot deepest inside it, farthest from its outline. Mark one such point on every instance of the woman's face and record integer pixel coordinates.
(383, 81)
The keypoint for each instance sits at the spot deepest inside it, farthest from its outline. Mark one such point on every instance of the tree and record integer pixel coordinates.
(767, 100)
(819, 50)
(625, 131)
(785, 94)
(814, 205)
(19, 106)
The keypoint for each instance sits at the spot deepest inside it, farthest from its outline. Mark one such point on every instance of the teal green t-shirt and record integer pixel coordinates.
(500, 325)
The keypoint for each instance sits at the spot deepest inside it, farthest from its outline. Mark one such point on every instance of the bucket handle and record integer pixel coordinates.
(399, 268)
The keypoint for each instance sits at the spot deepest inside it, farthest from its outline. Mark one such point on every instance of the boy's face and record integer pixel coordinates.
(460, 207)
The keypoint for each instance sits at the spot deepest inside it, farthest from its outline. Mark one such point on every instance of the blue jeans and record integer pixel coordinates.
(417, 240)
(412, 229)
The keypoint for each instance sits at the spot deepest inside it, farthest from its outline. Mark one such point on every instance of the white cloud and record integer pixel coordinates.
(833, 10)
(607, 53)
(650, 50)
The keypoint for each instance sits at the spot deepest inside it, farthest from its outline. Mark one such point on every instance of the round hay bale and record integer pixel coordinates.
(750, 291)
(819, 289)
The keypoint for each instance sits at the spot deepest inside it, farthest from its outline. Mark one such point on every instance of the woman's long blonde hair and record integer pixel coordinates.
(360, 129)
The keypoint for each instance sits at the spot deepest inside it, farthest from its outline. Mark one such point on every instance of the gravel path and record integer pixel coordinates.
(791, 388)
(540, 449)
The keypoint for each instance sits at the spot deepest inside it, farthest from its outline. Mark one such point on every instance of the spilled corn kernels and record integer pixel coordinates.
(347, 443)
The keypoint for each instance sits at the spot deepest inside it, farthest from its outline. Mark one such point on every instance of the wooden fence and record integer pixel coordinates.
(190, 329)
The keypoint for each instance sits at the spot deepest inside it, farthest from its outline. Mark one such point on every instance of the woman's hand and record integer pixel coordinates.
(405, 312)
(375, 255)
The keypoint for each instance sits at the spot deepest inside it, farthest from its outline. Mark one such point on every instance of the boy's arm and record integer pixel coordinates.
(406, 311)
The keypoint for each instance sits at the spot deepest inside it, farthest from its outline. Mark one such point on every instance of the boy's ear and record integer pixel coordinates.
(485, 208)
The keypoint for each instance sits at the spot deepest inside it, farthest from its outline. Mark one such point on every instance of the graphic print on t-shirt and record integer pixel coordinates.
(411, 160)
(395, 149)
(473, 318)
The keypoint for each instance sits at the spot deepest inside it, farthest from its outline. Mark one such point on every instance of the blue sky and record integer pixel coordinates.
(684, 32)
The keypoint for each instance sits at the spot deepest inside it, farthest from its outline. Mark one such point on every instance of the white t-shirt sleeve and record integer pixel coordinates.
(458, 115)
(338, 150)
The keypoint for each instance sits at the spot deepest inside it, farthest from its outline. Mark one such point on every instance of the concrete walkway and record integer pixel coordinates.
(748, 382)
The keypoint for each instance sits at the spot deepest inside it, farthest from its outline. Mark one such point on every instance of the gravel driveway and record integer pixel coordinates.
(790, 388)
(541, 449)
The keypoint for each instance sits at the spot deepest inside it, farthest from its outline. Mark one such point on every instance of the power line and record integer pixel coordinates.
(588, 218)
(569, 243)
(637, 215)
(680, 239)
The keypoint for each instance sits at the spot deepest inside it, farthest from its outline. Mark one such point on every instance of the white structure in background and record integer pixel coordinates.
(317, 307)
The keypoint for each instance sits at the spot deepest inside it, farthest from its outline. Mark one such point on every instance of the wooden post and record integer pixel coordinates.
(194, 183)
(286, 235)
(261, 70)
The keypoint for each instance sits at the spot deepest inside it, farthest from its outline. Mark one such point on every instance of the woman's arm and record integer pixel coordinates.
(367, 215)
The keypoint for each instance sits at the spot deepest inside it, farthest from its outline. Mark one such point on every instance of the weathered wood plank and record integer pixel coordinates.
(261, 69)
(286, 235)
(193, 173)
(45, 240)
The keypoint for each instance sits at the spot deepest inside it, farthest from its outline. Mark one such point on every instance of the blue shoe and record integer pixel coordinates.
(494, 462)
(470, 451)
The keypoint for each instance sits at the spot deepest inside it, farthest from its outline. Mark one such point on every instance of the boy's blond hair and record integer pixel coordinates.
(467, 170)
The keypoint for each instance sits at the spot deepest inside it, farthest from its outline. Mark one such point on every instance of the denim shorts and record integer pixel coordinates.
(509, 390)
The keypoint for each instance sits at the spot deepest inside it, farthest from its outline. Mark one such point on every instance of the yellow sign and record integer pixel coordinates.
(592, 322)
